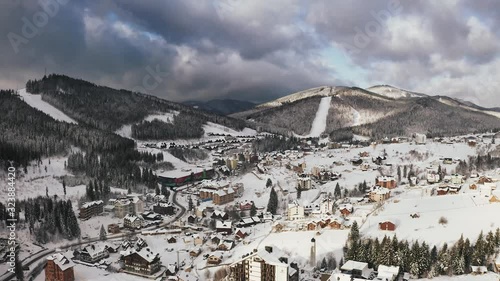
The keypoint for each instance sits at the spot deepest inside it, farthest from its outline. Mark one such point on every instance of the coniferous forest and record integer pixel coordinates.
(420, 259)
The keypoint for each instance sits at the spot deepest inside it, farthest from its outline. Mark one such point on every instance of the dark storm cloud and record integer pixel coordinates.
(206, 49)
(256, 50)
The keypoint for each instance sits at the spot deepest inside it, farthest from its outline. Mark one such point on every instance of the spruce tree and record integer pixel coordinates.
(253, 210)
(64, 187)
(272, 205)
(102, 234)
(337, 192)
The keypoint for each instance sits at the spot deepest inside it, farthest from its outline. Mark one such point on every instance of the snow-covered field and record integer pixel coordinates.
(464, 214)
(37, 102)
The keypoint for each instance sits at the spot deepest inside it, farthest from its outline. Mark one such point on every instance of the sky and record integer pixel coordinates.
(256, 50)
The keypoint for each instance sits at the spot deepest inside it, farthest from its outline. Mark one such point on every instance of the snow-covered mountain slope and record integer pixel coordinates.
(36, 101)
(322, 91)
(393, 92)
(370, 110)
(319, 123)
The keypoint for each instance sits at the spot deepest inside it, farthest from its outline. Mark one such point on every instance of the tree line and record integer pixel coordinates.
(420, 259)
(184, 126)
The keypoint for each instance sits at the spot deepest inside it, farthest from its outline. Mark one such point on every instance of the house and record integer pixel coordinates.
(494, 199)
(138, 204)
(387, 273)
(241, 233)
(335, 224)
(225, 245)
(143, 262)
(191, 219)
(387, 225)
(386, 181)
(133, 221)
(295, 211)
(346, 209)
(90, 209)
(195, 252)
(246, 222)
(215, 258)
(420, 138)
(356, 269)
(268, 264)
(198, 239)
(171, 270)
(246, 205)
(164, 208)
(478, 270)
(378, 194)
(113, 228)
(218, 215)
(171, 240)
(151, 216)
(312, 226)
(59, 268)
(93, 253)
(224, 227)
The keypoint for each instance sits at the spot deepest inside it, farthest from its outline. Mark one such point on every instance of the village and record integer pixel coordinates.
(220, 220)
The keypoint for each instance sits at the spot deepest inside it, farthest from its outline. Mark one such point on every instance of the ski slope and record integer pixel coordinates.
(36, 101)
(319, 123)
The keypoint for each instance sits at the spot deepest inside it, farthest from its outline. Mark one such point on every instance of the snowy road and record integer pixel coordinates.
(319, 123)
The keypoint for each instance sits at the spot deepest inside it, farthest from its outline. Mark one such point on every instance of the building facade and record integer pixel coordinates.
(59, 268)
(91, 209)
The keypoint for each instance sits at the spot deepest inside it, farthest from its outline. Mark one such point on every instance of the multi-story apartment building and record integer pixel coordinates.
(143, 262)
(59, 268)
(269, 264)
(125, 206)
(90, 209)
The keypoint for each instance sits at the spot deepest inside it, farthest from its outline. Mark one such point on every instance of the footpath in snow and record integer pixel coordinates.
(319, 123)
(37, 102)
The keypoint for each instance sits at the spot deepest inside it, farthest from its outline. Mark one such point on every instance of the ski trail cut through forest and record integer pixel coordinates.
(319, 123)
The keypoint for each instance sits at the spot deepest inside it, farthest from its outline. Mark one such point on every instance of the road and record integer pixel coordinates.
(34, 259)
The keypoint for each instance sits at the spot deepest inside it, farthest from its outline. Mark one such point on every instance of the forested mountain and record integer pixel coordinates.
(222, 106)
(29, 134)
(388, 111)
(108, 109)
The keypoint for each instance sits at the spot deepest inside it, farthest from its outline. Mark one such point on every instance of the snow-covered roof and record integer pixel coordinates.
(90, 204)
(131, 218)
(351, 265)
(61, 261)
(221, 224)
(146, 253)
(94, 250)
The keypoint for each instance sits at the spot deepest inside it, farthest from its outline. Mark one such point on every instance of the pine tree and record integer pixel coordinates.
(157, 190)
(102, 234)
(64, 187)
(253, 210)
(46, 191)
(191, 205)
(269, 183)
(272, 205)
(399, 173)
(354, 233)
(337, 193)
(323, 264)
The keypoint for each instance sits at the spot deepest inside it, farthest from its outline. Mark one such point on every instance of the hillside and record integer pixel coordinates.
(378, 111)
(222, 106)
(109, 109)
